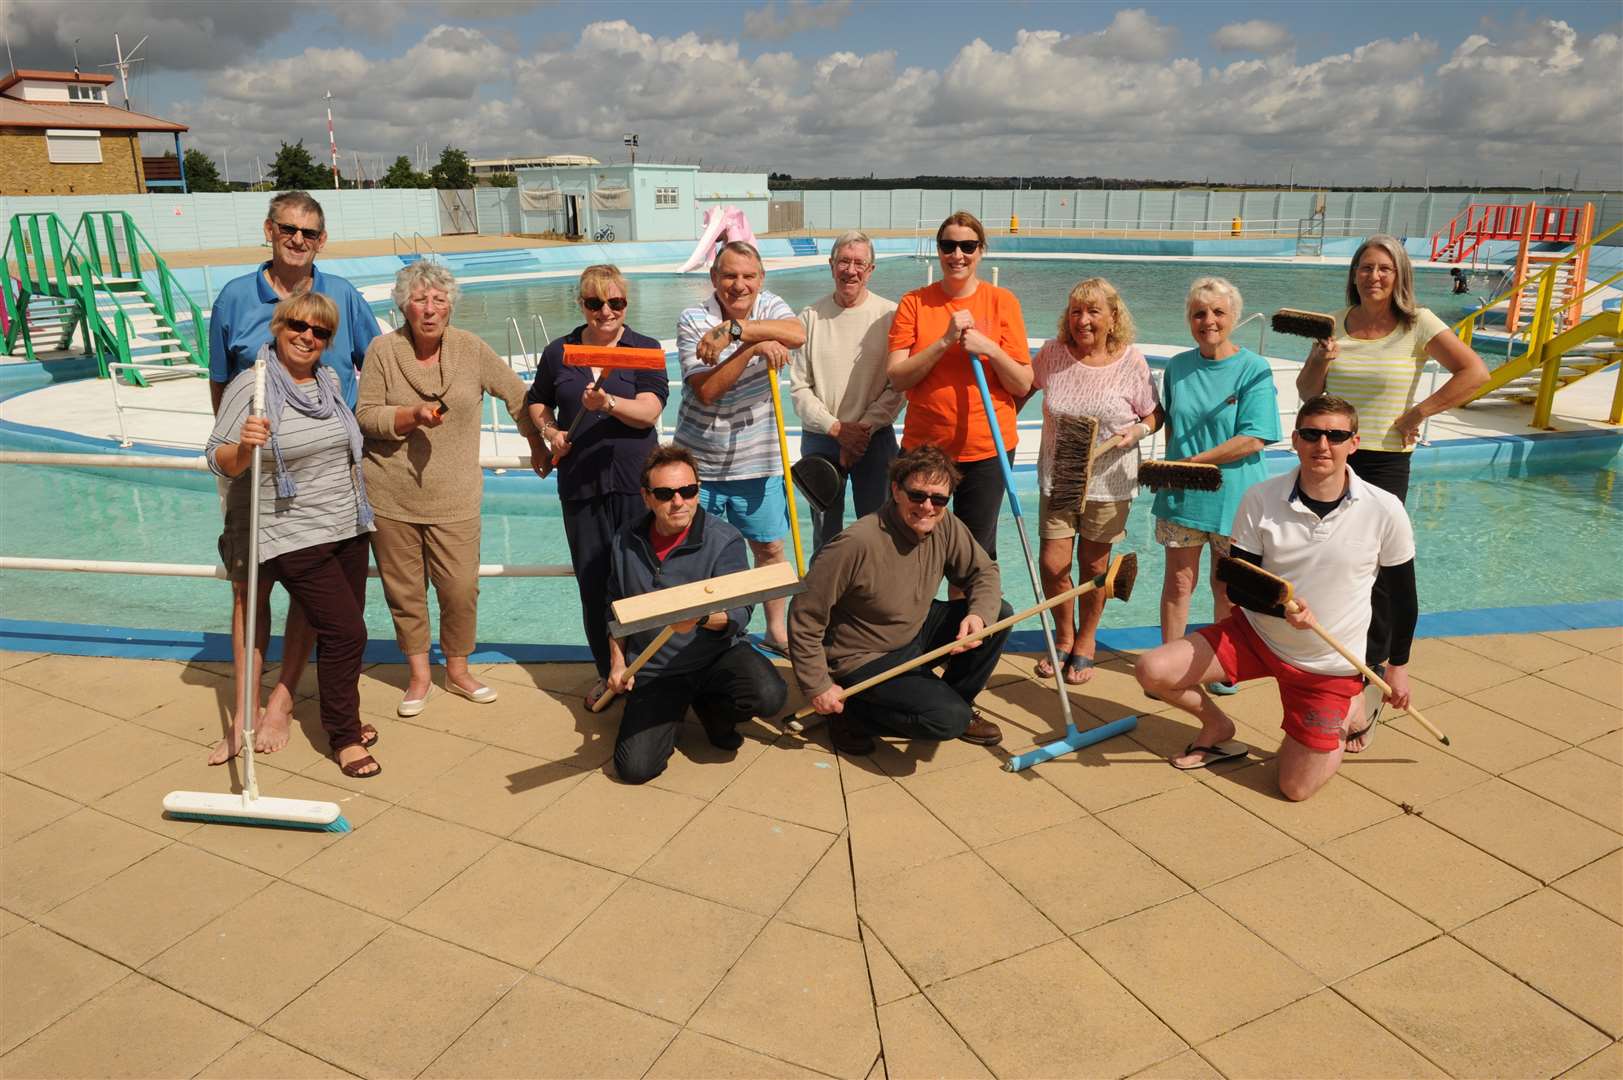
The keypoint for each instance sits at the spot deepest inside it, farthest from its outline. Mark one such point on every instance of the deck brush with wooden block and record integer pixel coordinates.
(1179, 476)
(1309, 324)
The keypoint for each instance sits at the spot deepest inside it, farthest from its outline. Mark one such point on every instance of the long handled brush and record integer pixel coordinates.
(610, 358)
(1117, 581)
(1180, 476)
(1076, 453)
(249, 808)
(788, 469)
(1255, 589)
(1308, 324)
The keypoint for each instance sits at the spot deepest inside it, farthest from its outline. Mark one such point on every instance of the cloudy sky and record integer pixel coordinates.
(1477, 93)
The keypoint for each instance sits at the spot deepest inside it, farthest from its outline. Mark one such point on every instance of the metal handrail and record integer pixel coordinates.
(1149, 228)
(119, 406)
(188, 463)
(1262, 331)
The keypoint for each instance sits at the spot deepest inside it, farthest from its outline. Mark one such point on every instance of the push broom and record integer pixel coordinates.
(1117, 583)
(1255, 589)
(610, 358)
(251, 808)
(1308, 324)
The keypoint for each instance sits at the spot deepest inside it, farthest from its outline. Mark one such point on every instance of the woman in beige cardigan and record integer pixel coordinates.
(421, 391)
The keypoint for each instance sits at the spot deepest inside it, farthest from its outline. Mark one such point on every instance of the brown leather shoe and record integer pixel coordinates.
(849, 736)
(982, 732)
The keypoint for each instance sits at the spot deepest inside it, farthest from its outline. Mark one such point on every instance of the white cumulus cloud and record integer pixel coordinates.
(1252, 35)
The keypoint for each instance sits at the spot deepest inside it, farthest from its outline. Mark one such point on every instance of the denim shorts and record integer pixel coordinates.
(755, 507)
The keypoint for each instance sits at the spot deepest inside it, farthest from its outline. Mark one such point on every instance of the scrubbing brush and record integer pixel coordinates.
(1076, 451)
(1255, 589)
(1308, 324)
(1180, 476)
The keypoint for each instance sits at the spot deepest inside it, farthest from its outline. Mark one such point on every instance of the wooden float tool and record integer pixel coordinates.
(1255, 589)
(1308, 324)
(1180, 476)
(666, 607)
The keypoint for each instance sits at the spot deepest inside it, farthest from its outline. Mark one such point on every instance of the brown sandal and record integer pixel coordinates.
(362, 768)
(369, 736)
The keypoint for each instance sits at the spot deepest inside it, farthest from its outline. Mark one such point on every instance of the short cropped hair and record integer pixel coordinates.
(1327, 405)
(307, 306)
(667, 454)
(737, 247)
(1210, 286)
(847, 238)
(1122, 328)
(424, 274)
(296, 200)
(930, 462)
(965, 220)
(1403, 305)
(595, 281)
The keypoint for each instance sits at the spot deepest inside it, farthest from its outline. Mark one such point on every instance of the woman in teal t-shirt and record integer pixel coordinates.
(1221, 409)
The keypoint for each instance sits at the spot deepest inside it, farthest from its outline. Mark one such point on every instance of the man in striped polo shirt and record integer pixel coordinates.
(729, 347)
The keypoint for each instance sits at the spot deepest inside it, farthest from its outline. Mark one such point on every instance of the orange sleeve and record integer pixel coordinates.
(904, 324)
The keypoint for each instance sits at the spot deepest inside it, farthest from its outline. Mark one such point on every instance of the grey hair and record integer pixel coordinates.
(1222, 286)
(851, 236)
(424, 274)
(297, 200)
(1402, 290)
(738, 247)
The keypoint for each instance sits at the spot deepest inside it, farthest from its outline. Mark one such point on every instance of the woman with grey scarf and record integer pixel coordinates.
(314, 517)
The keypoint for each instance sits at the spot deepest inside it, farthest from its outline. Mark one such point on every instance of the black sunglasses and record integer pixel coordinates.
(666, 494)
(299, 326)
(290, 231)
(968, 247)
(917, 498)
(1337, 436)
(595, 303)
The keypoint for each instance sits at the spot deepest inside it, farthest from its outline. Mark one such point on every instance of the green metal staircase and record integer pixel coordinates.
(87, 283)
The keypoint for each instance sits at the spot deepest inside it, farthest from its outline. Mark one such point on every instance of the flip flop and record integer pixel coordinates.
(1077, 664)
(1221, 688)
(766, 644)
(1045, 670)
(1212, 755)
(355, 770)
(1367, 733)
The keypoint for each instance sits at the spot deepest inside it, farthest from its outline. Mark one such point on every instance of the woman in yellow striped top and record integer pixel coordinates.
(1375, 359)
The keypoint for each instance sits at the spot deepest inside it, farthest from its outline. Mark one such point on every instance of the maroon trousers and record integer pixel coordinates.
(329, 581)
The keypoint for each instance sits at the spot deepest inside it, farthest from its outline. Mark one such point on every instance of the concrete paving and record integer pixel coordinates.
(505, 907)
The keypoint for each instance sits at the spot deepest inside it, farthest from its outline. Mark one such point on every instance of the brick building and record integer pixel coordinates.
(59, 136)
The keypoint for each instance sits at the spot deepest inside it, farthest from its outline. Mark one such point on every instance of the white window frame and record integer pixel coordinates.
(84, 92)
(667, 198)
(72, 146)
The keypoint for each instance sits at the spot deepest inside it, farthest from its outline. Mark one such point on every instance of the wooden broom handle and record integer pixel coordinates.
(1379, 682)
(636, 665)
(1099, 582)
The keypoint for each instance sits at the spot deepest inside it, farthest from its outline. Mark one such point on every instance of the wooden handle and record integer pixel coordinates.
(987, 631)
(1374, 679)
(636, 665)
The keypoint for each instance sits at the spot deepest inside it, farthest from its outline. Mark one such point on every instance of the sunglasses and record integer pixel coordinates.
(968, 247)
(917, 498)
(1337, 436)
(290, 231)
(595, 303)
(666, 494)
(299, 326)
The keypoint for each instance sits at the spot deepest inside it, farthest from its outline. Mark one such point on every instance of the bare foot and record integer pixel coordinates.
(226, 749)
(1210, 735)
(1078, 669)
(272, 731)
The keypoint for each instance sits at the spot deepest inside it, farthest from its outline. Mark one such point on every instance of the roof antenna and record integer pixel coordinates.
(122, 64)
(9, 59)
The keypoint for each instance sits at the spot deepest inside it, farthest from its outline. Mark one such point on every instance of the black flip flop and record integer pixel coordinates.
(1212, 755)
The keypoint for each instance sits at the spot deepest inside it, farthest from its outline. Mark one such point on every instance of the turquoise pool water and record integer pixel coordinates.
(1543, 532)
(1154, 292)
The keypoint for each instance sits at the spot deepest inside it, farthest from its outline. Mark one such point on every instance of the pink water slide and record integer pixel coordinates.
(721, 225)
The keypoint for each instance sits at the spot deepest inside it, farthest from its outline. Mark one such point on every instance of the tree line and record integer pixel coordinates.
(294, 167)
(784, 182)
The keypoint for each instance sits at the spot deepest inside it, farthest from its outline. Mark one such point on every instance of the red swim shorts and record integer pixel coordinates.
(1316, 705)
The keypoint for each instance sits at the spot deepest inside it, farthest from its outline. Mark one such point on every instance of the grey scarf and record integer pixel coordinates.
(280, 391)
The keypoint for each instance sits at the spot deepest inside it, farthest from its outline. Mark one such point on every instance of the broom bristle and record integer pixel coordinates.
(1122, 587)
(1074, 438)
(1179, 476)
(1253, 588)
(1298, 323)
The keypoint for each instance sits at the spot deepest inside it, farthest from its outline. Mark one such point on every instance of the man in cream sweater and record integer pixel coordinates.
(847, 406)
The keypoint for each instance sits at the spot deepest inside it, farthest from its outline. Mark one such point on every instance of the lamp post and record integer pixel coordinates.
(631, 144)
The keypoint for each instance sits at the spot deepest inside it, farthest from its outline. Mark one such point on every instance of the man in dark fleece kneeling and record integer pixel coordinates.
(870, 604)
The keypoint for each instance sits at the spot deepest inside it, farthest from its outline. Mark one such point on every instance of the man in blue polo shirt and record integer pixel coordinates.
(239, 326)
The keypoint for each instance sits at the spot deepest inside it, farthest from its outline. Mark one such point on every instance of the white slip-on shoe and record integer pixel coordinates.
(482, 696)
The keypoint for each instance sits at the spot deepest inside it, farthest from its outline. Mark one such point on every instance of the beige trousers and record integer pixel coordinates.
(409, 557)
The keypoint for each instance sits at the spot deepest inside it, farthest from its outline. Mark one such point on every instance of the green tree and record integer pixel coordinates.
(294, 168)
(201, 175)
(402, 175)
(453, 170)
(504, 179)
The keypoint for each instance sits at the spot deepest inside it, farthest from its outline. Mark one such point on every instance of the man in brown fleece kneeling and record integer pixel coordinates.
(870, 605)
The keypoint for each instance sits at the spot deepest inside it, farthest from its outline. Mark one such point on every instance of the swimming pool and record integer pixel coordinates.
(1538, 530)
(1153, 289)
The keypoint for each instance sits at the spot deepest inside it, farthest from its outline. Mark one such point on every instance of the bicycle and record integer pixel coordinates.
(605, 235)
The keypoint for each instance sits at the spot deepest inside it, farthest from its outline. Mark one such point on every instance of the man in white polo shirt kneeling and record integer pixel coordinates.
(1328, 533)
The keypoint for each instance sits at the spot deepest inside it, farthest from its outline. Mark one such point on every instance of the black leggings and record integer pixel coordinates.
(1389, 471)
(978, 498)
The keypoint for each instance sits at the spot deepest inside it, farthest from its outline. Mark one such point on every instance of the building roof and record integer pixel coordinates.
(53, 76)
(78, 114)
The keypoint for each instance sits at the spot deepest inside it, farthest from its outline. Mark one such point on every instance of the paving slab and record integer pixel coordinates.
(478, 791)
(1492, 742)
(891, 832)
(702, 770)
(1111, 773)
(1578, 780)
(1608, 746)
(1402, 769)
(609, 824)
(141, 803)
(1561, 948)
(1591, 640)
(1606, 1065)
(1525, 652)
(278, 851)
(1321, 1037)
(1339, 808)
(38, 725)
(1598, 885)
(394, 862)
(692, 1054)
(61, 976)
(1468, 1016)
(1527, 831)
(116, 756)
(826, 899)
(890, 983)
(1551, 708)
(736, 858)
(1198, 834)
(25, 808)
(799, 786)
(58, 862)
(1200, 970)
(1596, 677)
(1188, 1065)
(260, 1057)
(919, 1043)
(1460, 671)
(118, 687)
(983, 804)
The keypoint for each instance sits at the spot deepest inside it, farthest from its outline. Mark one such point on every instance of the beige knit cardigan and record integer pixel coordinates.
(431, 475)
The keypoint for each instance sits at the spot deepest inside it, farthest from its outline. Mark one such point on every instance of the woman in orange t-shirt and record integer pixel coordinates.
(931, 336)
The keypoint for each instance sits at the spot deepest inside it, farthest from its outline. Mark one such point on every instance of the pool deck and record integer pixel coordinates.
(505, 907)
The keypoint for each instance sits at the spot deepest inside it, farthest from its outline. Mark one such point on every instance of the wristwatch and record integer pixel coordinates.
(735, 331)
(609, 403)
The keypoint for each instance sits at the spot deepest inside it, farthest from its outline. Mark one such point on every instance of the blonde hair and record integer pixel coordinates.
(595, 281)
(1122, 329)
(310, 307)
(1402, 290)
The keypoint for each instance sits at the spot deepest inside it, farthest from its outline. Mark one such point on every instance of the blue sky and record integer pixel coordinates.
(1355, 92)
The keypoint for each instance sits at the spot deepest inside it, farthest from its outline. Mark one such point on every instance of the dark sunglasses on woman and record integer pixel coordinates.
(666, 494)
(299, 326)
(1337, 436)
(968, 247)
(917, 498)
(595, 303)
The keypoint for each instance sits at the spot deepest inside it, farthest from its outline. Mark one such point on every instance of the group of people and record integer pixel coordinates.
(375, 443)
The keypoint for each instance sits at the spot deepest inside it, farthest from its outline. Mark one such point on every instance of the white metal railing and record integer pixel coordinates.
(1147, 228)
(1262, 331)
(119, 405)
